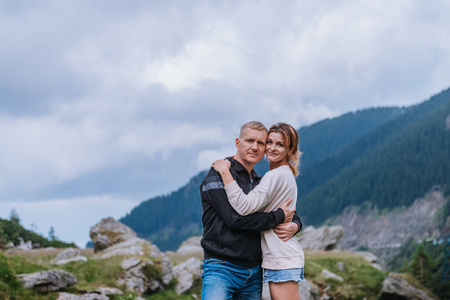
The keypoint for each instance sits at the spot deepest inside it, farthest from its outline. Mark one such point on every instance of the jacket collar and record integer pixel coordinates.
(238, 167)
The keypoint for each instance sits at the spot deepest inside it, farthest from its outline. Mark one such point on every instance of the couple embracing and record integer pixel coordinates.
(249, 221)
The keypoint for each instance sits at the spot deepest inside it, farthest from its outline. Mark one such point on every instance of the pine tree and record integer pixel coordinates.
(421, 266)
(51, 234)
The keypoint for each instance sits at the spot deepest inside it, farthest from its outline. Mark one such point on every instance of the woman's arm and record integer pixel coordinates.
(222, 166)
(256, 200)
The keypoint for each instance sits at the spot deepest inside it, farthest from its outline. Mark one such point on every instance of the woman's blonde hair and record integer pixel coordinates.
(291, 139)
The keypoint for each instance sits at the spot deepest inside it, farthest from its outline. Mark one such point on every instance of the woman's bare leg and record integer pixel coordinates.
(284, 290)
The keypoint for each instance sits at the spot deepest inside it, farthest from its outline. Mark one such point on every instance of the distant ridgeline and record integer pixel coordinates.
(11, 230)
(378, 157)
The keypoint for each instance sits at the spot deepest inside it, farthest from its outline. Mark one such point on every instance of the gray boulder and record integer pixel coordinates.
(87, 296)
(323, 238)
(24, 246)
(187, 274)
(109, 232)
(131, 247)
(395, 286)
(47, 281)
(308, 291)
(328, 274)
(99, 294)
(68, 255)
(191, 245)
(144, 276)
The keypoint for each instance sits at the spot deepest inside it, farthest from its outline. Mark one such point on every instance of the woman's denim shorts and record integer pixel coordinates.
(283, 275)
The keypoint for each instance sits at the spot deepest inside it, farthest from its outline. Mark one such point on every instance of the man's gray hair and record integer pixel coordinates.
(253, 125)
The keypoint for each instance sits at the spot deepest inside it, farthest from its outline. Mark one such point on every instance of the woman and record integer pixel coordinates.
(282, 261)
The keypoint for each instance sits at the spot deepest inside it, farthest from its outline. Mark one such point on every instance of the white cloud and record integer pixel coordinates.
(206, 157)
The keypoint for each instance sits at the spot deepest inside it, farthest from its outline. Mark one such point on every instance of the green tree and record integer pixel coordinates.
(421, 266)
(51, 234)
(2, 236)
(14, 216)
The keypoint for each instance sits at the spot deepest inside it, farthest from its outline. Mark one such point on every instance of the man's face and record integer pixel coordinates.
(251, 146)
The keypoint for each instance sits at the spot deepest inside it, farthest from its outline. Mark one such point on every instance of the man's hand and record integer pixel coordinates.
(286, 231)
(288, 212)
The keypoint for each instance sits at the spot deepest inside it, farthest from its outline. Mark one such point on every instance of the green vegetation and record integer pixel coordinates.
(90, 275)
(361, 280)
(11, 230)
(425, 263)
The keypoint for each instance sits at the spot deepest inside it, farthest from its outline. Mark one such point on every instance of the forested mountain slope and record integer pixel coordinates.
(388, 167)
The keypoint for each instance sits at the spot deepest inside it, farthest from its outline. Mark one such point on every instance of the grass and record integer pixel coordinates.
(361, 280)
(90, 275)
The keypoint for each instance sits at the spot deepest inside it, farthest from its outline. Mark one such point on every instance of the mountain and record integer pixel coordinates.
(377, 157)
(388, 167)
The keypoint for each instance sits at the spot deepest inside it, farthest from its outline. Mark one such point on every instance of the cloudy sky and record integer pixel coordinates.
(104, 104)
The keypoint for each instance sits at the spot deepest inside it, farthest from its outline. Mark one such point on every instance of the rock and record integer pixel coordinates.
(24, 246)
(341, 266)
(99, 294)
(68, 260)
(109, 232)
(329, 274)
(167, 270)
(323, 238)
(134, 279)
(109, 291)
(396, 286)
(191, 245)
(47, 281)
(307, 290)
(187, 274)
(130, 263)
(68, 255)
(87, 296)
(131, 247)
(308, 229)
(369, 256)
(143, 277)
(385, 233)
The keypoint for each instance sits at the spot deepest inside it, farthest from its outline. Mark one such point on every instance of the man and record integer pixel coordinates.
(232, 243)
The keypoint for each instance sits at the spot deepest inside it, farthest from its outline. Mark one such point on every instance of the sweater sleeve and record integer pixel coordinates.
(256, 200)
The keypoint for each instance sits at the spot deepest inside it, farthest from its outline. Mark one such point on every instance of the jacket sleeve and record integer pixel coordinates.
(296, 219)
(214, 193)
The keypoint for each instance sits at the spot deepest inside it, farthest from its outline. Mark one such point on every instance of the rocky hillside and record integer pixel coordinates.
(384, 233)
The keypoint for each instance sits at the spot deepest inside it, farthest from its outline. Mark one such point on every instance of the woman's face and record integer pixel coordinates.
(276, 149)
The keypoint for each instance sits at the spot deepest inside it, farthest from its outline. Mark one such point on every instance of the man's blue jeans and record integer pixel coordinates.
(223, 280)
